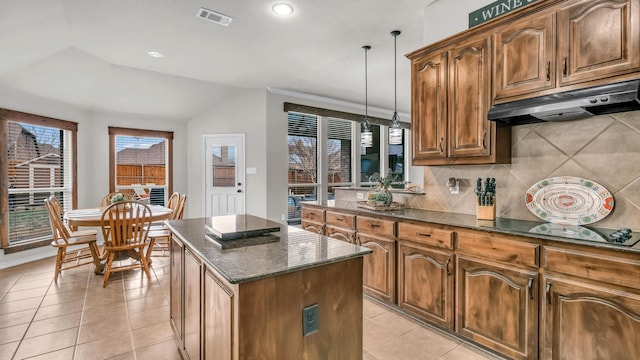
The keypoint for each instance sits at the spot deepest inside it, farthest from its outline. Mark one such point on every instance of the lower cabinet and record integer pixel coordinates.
(217, 318)
(425, 282)
(176, 288)
(192, 278)
(497, 307)
(379, 267)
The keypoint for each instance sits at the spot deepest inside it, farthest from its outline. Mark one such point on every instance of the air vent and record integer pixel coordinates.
(215, 17)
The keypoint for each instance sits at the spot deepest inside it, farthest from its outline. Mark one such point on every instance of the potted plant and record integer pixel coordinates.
(383, 186)
(382, 197)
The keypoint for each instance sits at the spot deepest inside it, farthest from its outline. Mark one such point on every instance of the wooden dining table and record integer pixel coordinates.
(92, 217)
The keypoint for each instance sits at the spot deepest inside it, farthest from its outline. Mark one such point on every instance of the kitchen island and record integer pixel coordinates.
(247, 301)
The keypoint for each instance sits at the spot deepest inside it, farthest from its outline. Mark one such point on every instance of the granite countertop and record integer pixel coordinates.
(289, 250)
(532, 229)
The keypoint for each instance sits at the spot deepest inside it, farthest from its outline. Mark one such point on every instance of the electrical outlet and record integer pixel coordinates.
(283, 217)
(360, 196)
(310, 320)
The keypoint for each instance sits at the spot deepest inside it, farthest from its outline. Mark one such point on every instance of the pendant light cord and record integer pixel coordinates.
(366, 87)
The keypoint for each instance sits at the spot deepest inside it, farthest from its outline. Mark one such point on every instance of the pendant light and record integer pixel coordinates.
(395, 131)
(366, 137)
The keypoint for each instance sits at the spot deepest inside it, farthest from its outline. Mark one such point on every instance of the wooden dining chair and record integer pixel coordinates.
(74, 247)
(125, 227)
(162, 235)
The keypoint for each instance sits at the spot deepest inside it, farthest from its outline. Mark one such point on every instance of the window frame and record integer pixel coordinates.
(120, 131)
(7, 116)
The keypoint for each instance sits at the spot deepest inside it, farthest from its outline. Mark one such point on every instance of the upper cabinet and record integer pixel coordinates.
(451, 92)
(595, 40)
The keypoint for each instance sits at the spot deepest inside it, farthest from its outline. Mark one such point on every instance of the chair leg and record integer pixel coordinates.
(59, 258)
(107, 271)
(145, 265)
(95, 255)
(152, 243)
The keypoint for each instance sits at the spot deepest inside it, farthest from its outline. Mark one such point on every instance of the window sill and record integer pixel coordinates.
(11, 249)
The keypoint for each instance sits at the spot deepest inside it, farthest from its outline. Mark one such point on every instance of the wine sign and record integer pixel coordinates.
(495, 9)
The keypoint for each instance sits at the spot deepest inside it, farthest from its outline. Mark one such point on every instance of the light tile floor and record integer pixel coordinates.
(129, 319)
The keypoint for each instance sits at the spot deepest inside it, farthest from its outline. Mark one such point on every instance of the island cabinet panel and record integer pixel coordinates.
(270, 314)
(497, 306)
(597, 39)
(425, 282)
(524, 58)
(379, 268)
(588, 321)
(218, 318)
(177, 255)
(192, 285)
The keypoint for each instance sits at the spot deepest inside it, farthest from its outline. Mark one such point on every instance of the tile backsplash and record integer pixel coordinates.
(604, 149)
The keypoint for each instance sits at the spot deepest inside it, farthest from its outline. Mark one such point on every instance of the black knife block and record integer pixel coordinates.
(486, 212)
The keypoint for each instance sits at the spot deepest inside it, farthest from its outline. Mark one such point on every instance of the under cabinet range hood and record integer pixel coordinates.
(570, 105)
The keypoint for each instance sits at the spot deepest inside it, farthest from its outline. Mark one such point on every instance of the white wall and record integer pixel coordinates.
(444, 18)
(93, 152)
(241, 111)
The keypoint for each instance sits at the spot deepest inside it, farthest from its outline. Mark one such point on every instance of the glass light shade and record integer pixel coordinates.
(366, 139)
(395, 136)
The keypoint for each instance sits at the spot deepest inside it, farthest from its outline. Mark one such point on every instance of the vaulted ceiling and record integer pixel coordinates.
(93, 54)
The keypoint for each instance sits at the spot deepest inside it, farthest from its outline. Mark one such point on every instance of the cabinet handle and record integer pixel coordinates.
(530, 288)
(446, 265)
(340, 219)
(484, 142)
(422, 234)
(564, 66)
(441, 148)
(548, 70)
(374, 225)
(548, 293)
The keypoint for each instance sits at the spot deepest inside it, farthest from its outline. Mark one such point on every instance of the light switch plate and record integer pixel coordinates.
(252, 170)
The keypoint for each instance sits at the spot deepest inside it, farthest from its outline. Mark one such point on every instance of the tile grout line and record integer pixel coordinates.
(84, 302)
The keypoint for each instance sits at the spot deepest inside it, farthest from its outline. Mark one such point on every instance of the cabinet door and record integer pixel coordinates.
(497, 307)
(429, 108)
(192, 277)
(340, 234)
(469, 88)
(313, 227)
(177, 254)
(218, 315)
(379, 267)
(524, 58)
(597, 39)
(588, 322)
(425, 283)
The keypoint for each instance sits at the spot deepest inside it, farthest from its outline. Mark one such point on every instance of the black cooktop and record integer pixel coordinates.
(623, 237)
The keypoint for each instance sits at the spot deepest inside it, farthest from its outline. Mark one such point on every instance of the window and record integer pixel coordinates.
(141, 159)
(303, 161)
(339, 140)
(39, 160)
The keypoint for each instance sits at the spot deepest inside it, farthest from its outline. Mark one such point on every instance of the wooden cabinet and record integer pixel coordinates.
(425, 282)
(591, 304)
(429, 108)
(340, 226)
(191, 316)
(597, 39)
(379, 267)
(176, 290)
(524, 59)
(451, 90)
(218, 317)
(313, 220)
(574, 42)
(497, 306)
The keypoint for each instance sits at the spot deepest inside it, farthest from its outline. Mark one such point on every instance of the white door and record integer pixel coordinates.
(224, 174)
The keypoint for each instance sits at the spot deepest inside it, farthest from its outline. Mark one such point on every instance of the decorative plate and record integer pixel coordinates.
(568, 231)
(569, 200)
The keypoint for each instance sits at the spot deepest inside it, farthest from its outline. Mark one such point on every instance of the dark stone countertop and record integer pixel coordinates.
(583, 235)
(289, 250)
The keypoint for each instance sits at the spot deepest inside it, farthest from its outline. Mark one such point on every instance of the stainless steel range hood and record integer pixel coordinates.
(570, 105)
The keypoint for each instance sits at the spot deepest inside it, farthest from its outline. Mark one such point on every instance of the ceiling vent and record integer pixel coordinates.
(215, 17)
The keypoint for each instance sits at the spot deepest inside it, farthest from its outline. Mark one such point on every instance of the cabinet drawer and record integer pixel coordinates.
(312, 214)
(500, 247)
(347, 221)
(594, 266)
(376, 226)
(425, 234)
(340, 234)
(312, 226)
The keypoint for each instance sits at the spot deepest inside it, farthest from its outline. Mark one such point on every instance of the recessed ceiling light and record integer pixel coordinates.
(155, 54)
(282, 9)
